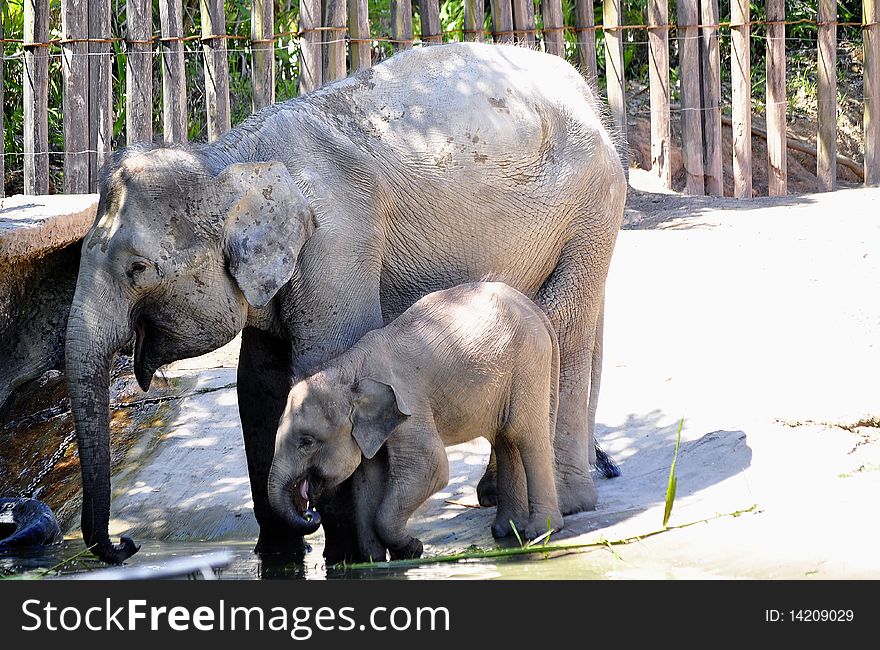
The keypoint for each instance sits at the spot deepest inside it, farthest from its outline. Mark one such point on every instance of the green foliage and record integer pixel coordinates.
(673, 481)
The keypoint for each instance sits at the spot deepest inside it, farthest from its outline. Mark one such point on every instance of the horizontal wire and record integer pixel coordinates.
(565, 28)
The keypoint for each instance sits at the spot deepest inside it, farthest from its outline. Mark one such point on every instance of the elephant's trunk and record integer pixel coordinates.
(94, 334)
(283, 485)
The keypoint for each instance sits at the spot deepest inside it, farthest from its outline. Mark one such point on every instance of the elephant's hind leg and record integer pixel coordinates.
(572, 298)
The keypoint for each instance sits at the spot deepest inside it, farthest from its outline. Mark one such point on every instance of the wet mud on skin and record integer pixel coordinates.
(756, 322)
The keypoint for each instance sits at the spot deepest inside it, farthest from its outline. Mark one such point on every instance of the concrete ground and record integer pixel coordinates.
(757, 322)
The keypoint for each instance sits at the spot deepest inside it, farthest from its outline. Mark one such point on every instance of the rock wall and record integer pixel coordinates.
(39, 260)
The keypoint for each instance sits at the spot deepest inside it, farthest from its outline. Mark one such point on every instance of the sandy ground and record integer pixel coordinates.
(758, 322)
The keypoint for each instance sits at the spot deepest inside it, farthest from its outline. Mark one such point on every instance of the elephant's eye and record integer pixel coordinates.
(136, 268)
(306, 442)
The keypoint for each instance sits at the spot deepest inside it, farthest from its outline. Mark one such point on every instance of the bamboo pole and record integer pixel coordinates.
(658, 73)
(311, 75)
(2, 122)
(691, 102)
(585, 19)
(474, 18)
(429, 13)
(139, 71)
(75, 100)
(551, 13)
(871, 40)
(334, 46)
(100, 89)
(777, 173)
(741, 89)
(359, 29)
(524, 21)
(263, 53)
(401, 24)
(502, 21)
(826, 160)
(36, 97)
(216, 68)
(614, 66)
(173, 75)
(710, 60)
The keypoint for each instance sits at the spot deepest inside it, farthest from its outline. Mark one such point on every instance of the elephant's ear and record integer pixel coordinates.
(378, 409)
(267, 224)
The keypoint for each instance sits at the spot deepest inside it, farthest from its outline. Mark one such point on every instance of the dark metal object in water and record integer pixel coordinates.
(27, 522)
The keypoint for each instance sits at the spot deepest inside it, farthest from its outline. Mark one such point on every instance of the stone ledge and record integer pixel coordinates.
(33, 226)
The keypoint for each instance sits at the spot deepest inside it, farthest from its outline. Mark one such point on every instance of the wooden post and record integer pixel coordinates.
(614, 68)
(691, 102)
(741, 108)
(311, 69)
(401, 24)
(429, 12)
(711, 90)
(554, 39)
(139, 71)
(871, 40)
(658, 74)
(75, 70)
(524, 21)
(36, 97)
(2, 126)
(826, 154)
(263, 52)
(173, 75)
(359, 30)
(474, 18)
(334, 48)
(585, 20)
(216, 67)
(777, 174)
(100, 89)
(502, 21)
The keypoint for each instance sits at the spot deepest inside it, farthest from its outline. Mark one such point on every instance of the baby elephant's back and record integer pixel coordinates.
(479, 320)
(469, 342)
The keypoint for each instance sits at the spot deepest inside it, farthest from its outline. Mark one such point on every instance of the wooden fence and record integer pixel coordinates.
(337, 41)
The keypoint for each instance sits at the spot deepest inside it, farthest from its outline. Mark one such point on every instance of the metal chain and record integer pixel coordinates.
(30, 491)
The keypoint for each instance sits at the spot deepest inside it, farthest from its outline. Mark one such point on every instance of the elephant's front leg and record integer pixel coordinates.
(368, 490)
(333, 302)
(263, 385)
(417, 468)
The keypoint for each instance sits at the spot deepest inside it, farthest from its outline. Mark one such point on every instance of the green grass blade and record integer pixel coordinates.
(516, 532)
(673, 482)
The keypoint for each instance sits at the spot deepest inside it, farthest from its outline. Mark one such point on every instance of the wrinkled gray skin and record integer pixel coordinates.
(479, 359)
(322, 218)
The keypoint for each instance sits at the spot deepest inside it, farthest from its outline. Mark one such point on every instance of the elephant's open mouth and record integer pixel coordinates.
(305, 494)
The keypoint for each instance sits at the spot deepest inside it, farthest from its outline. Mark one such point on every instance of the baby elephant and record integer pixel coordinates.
(479, 359)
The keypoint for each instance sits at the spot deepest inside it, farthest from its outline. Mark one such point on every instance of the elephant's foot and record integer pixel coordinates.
(540, 523)
(576, 492)
(278, 540)
(371, 550)
(410, 550)
(506, 520)
(487, 489)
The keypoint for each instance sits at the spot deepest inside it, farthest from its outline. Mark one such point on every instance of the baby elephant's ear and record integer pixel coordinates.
(267, 223)
(378, 410)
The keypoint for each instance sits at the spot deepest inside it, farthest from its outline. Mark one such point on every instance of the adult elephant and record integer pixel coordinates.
(324, 217)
